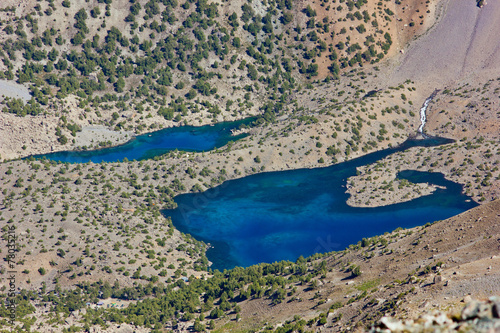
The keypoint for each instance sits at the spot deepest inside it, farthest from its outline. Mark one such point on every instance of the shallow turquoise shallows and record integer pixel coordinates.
(189, 138)
(277, 216)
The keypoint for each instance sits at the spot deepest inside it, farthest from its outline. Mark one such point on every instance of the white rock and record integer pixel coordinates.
(392, 324)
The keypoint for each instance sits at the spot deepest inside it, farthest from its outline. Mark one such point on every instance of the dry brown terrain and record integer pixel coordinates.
(332, 27)
(462, 44)
(75, 201)
(113, 209)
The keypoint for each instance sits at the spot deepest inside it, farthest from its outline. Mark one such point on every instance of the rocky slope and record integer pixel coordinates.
(476, 316)
(80, 224)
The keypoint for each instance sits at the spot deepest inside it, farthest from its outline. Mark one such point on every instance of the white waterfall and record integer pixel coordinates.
(423, 118)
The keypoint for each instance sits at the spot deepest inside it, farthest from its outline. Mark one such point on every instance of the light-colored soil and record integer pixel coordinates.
(91, 135)
(38, 135)
(383, 189)
(476, 169)
(13, 90)
(436, 267)
(461, 44)
(300, 139)
(467, 110)
(397, 24)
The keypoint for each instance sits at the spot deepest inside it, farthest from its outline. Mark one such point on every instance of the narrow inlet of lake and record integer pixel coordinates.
(150, 145)
(277, 216)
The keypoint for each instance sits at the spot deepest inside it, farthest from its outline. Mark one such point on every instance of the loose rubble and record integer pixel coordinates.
(476, 316)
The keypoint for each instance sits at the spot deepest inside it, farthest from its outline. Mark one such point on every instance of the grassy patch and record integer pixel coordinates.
(368, 285)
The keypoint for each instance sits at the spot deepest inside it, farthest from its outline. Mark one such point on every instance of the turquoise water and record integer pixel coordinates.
(277, 216)
(189, 138)
(280, 215)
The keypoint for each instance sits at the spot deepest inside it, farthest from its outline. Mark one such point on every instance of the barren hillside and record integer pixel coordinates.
(326, 80)
(462, 44)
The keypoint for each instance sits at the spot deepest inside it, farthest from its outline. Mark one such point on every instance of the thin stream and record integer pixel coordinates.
(423, 116)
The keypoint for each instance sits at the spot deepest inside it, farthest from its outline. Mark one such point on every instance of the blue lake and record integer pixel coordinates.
(277, 216)
(188, 138)
(280, 215)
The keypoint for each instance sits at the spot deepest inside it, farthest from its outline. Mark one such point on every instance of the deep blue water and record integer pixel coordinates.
(280, 215)
(189, 138)
(277, 216)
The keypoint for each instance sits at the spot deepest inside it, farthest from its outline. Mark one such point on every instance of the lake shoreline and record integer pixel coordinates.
(150, 145)
(227, 205)
(360, 195)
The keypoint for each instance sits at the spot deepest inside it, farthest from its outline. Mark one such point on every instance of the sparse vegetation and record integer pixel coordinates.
(95, 232)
